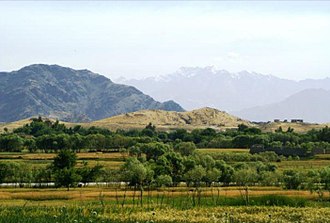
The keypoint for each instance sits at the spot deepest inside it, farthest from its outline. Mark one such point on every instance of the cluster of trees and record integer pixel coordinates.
(47, 136)
(63, 172)
(161, 164)
(156, 164)
(316, 181)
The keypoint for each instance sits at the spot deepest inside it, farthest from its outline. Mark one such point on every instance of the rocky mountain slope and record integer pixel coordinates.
(68, 94)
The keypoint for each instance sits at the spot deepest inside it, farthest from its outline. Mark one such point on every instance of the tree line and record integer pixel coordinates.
(47, 136)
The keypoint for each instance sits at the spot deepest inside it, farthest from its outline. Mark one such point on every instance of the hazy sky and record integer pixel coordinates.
(136, 39)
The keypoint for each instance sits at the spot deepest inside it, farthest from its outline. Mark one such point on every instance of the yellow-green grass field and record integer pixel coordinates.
(303, 164)
(108, 160)
(112, 192)
(109, 214)
(167, 205)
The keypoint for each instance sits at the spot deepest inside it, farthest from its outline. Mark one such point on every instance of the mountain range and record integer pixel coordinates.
(82, 96)
(249, 95)
(69, 95)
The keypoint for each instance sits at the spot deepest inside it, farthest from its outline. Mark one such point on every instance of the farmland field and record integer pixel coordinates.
(115, 202)
(166, 205)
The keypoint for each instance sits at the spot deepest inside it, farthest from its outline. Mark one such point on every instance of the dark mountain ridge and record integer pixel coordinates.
(68, 94)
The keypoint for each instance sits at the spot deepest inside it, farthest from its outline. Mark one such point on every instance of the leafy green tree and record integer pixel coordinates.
(164, 180)
(134, 172)
(176, 166)
(241, 166)
(324, 134)
(208, 132)
(189, 163)
(185, 148)
(260, 139)
(53, 142)
(119, 141)
(135, 151)
(220, 141)
(163, 136)
(205, 160)
(275, 144)
(149, 130)
(270, 156)
(77, 142)
(96, 142)
(22, 174)
(195, 176)
(243, 141)
(180, 134)
(196, 136)
(242, 127)
(269, 178)
(292, 179)
(227, 172)
(65, 159)
(162, 166)
(64, 171)
(325, 177)
(154, 150)
(7, 170)
(211, 176)
(42, 175)
(89, 174)
(246, 177)
(30, 144)
(66, 177)
(313, 182)
(11, 143)
(253, 130)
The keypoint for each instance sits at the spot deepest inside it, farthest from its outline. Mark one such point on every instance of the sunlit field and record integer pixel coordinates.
(103, 204)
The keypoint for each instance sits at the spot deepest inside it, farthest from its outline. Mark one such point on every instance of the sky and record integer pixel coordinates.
(288, 39)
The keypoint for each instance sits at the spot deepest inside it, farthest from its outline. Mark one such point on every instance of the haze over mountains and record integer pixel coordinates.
(311, 104)
(81, 95)
(249, 95)
(68, 94)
